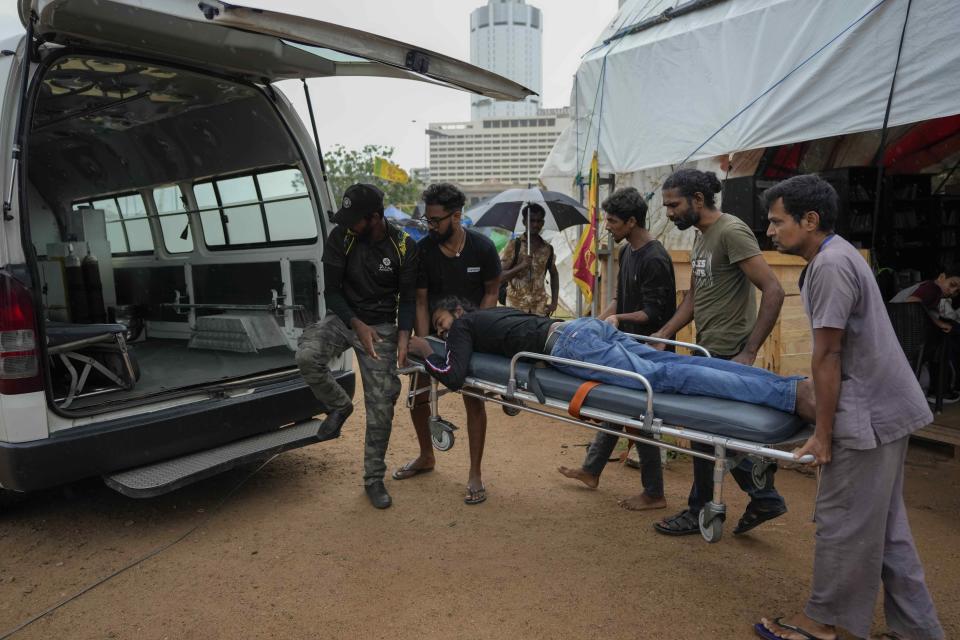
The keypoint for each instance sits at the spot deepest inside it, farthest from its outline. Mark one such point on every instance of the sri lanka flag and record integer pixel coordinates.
(585, 257)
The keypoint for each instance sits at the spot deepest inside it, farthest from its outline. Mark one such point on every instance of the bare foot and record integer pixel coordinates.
(780, 628)
(806, 406)
(415, 467)
(642, 502)
(581, 475)
(476, 492)
(420, 463)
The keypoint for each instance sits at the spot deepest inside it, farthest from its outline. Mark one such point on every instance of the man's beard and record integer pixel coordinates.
(440, 238)
(688, 219)
(367, 234)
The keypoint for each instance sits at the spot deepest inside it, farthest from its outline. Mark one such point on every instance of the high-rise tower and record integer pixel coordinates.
(506, 38)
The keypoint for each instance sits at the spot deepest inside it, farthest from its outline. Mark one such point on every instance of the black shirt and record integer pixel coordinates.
(498, 330)
(368, 280)
(462, 276)
(646, 283)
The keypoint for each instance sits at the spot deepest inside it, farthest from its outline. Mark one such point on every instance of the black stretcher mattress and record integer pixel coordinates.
(728, 418)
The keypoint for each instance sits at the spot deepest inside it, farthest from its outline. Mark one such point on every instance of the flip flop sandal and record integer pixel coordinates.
(476, 497)
(763, 632)
(405, 472)
(753, 518)
(682, 524)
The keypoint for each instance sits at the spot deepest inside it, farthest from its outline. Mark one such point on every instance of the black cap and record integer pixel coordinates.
(359, 201)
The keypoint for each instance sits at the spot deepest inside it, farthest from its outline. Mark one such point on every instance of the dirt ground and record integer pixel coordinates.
(297, 551)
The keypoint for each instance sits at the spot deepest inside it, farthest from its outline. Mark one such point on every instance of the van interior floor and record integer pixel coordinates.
(168, 364)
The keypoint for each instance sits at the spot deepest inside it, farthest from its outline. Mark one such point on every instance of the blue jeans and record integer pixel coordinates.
(651, 468)
(765, 498)
(597, 342)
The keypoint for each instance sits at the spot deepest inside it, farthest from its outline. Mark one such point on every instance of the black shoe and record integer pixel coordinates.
(754, 517)
(685, 523)
(378, 495)
(950, 397)
(334, 421)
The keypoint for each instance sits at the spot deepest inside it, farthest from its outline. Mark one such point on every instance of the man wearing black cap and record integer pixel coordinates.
(370, 274)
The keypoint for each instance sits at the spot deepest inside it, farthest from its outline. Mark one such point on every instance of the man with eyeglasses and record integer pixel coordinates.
(454, 261)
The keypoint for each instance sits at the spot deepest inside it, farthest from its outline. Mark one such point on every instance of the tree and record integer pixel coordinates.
(348, 166)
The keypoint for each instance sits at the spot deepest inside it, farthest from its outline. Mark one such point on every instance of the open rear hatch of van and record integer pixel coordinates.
(172, 213)
(256, 44)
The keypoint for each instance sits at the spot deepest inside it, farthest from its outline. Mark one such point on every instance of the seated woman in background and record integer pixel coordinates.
(934, 295)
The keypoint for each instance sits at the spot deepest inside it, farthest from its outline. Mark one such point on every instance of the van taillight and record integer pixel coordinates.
(19, 357)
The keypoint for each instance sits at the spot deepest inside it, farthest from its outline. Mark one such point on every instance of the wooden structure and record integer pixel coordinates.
(787, 350)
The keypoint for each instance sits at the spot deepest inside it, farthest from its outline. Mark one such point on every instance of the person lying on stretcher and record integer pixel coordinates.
(505, 331)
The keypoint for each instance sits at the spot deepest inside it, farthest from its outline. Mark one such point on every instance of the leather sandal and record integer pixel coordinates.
(754, 517)
(684, 523)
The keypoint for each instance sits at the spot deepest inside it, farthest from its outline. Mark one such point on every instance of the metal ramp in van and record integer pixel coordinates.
(162, 477)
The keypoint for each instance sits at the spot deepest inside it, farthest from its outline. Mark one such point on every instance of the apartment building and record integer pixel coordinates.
(489, 155)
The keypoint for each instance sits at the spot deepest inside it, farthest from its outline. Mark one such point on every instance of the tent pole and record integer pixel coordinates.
(878, 157)
(596, 260)
(580, 235)
(608, 285)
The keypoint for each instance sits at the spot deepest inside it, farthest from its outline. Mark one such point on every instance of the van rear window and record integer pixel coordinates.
(174, 224)
(272, 207)
(128, 229)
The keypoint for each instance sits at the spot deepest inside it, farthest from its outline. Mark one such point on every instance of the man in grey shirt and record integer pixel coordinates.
(868, 403)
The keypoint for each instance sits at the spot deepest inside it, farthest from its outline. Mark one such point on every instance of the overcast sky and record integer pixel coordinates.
(358, 111)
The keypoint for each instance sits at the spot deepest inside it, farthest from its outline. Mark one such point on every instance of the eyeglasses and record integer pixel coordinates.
(433, 223)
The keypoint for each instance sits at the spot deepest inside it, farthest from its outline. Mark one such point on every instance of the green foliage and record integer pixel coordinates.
(349, 166)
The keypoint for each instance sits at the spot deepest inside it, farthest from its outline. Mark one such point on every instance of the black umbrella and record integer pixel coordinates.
(503, 210)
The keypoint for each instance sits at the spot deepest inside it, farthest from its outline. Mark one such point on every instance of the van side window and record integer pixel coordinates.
(128, 230)
(272, 207)
(174, 224)
(289, 211)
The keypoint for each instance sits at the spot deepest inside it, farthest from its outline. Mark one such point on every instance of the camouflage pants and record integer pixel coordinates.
(325, 341)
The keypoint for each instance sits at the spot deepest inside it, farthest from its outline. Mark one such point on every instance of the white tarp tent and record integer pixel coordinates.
(737, 76)
(745, 74)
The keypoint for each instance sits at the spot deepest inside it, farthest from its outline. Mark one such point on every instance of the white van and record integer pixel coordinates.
(164, 212)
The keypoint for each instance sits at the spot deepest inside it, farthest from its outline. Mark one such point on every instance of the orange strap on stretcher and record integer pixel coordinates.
(580, 396)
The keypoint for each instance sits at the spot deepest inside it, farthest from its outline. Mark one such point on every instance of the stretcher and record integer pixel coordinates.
(526, 383)
(69, 341)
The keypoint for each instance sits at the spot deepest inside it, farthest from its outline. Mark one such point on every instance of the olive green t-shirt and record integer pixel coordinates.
(724, 306)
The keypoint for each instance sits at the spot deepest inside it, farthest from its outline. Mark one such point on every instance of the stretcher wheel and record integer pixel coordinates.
(711, 532)
(441, 434)
(442, 440)
(510, 411)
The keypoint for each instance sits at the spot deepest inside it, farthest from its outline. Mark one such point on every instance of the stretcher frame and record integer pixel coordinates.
(69, 351)
(727, 452)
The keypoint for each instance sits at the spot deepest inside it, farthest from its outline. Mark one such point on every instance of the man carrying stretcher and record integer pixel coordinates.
(505, 331)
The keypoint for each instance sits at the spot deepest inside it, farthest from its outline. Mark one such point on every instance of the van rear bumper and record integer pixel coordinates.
(138, 440)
